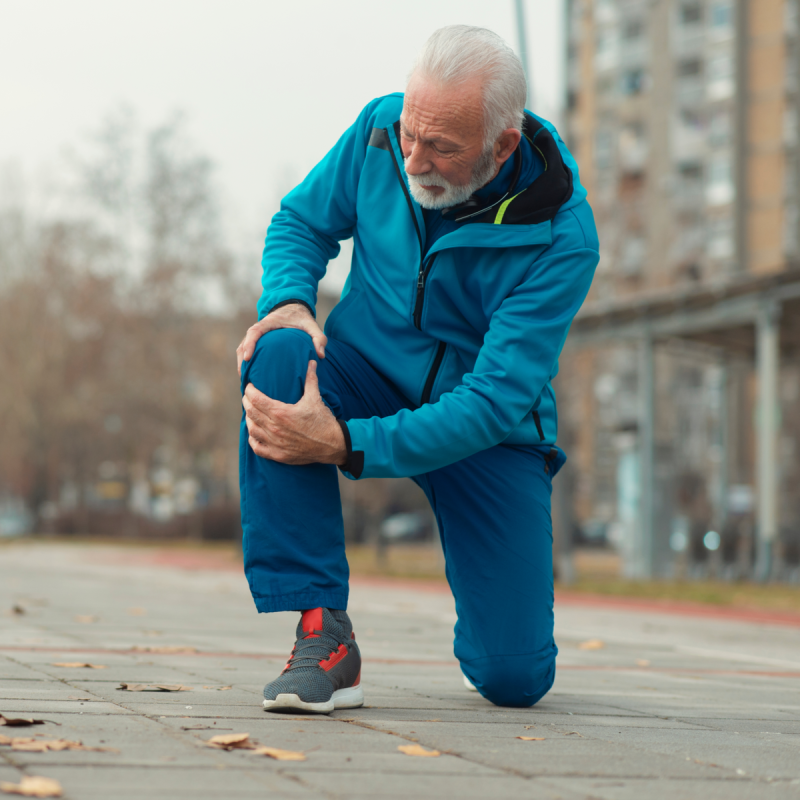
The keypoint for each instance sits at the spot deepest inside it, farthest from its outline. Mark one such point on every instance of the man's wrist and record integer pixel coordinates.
(292, 301)
(354, 461)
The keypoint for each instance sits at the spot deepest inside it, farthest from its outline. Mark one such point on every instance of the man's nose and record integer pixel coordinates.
(417, 162)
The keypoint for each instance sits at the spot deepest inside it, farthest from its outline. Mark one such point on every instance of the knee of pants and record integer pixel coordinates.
(279, 364)
(516, 681)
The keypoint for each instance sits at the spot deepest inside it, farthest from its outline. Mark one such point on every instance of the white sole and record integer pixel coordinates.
(468, 684)
(352, 697)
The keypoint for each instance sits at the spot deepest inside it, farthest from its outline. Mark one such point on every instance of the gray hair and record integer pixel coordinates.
(456, 53)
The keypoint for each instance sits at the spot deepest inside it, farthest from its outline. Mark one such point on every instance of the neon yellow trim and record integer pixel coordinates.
(502, 210)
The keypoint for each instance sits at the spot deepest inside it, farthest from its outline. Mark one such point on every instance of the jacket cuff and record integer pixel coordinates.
(355, 460)
(289, 302)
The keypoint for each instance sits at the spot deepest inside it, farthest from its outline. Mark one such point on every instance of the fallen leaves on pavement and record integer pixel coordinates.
(219, 688)
(86, 619)
(642, 662)
(33, 786)
(154, 687)
(241, 741)
(78, 665)
(18, 609)
(418, 750)
(137, 612)
(164, 650)
(19, 722)
(29, 745)
(278, 754)
(531, 738)
(592, 644)
(231, 741)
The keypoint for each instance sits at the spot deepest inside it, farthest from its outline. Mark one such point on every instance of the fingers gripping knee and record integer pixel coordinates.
(279, 364)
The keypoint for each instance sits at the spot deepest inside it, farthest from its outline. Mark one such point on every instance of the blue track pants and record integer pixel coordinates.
(493, 512)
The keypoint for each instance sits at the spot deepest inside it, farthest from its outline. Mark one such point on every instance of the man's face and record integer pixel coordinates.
(442, 138)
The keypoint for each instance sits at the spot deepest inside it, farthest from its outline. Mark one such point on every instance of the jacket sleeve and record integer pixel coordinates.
(517, 360)
(313, 218)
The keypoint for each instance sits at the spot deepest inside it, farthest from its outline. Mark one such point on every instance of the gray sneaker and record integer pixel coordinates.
(324, 670)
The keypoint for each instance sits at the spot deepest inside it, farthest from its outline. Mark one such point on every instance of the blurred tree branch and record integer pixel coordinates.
(119, 316)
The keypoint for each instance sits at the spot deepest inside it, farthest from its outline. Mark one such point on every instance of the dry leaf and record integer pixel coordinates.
(19, 722)
(418, 750)
(78, 664)
(33, 786)
(165, 650)
(17, 609)
(154, 687)
(280, 755)
(137, 612)
(592, 644)
(219, 688)
(531, 738)
(231, 741)
(528, 727)
(86, 618)
(642, 662)
(28, 745)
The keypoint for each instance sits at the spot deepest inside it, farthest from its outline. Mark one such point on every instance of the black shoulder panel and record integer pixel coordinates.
(380, 139)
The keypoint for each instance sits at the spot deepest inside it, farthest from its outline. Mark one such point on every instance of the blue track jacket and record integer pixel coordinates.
(472, 332)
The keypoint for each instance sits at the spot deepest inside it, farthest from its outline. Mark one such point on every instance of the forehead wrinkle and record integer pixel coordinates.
(454, 109)
(425, 139)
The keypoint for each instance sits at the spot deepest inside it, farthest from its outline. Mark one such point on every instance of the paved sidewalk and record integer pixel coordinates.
(672, 706)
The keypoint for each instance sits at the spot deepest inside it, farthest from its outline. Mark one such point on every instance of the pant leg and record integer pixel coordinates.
(493, 511)
(293, 536)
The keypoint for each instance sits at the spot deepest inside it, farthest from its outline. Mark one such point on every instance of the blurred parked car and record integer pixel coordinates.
(413, 526)
(15, 519)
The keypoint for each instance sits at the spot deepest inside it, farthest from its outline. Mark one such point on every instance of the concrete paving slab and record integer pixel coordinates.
(724, 695)
(680, 789)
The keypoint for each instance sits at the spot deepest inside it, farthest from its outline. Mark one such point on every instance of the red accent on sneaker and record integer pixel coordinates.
(358, 679)
(312, 621)
(332, 660)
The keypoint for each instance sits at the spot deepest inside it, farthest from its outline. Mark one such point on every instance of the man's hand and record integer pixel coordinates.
(293, 315)
(303, 433)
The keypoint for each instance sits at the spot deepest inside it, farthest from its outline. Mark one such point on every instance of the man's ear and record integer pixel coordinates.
(506, 144)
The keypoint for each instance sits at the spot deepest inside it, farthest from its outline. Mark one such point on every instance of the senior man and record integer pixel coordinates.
(474, 248)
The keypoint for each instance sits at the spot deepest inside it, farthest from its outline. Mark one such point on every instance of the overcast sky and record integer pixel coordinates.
(267, 87)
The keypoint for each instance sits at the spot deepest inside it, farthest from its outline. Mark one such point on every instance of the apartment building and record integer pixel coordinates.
(682, 115)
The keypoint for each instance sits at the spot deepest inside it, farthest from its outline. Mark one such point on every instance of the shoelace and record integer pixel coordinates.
(321, 642)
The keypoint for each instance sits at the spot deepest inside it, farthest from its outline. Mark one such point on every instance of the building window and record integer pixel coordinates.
(721, 14)
(691, 171)
(632, 148)
(690, 68)
(634, 252)
(720, 77)
(720, 129)
(719, 241)
(632, 81)
(603, 149)
(691, 13)
(720, 187)
(632, 29)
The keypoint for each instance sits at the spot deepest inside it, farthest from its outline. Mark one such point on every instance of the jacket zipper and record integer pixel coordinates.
(422, 274)
(420, 301)
(431, 379)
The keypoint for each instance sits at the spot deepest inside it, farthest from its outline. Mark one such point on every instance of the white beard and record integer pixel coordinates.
(452, 195)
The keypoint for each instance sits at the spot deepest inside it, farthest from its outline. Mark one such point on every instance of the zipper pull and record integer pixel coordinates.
(421, 280)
